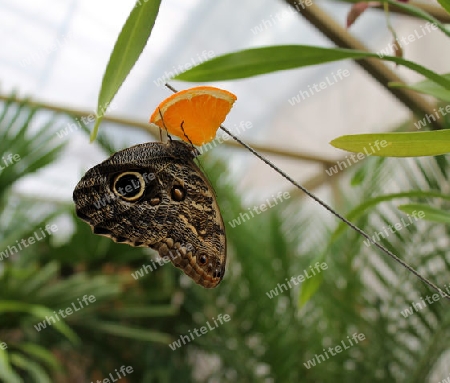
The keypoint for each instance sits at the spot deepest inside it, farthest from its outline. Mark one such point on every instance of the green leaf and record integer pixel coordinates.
(41, 278)
(428, 87)
(308, 289)
(359, 210)
(7, 373)
(35, 370)
(403, 144)
(429, 213)
(61, 326)
(129, 46)
(40, 353)
(415, 11)
(358, 177)
(311, 285)
(445, 4)
(129, 332)
(145, 312)
(257, 61)
(38, 312)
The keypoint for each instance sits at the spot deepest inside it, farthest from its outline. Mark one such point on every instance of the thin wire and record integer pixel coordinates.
(327, 207)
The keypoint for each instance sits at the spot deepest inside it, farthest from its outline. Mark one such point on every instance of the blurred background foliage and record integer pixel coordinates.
(267, 339)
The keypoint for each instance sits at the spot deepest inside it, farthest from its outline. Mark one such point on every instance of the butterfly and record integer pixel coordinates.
(154, 195)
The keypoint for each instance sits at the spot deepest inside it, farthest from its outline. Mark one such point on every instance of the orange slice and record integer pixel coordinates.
(194, 114)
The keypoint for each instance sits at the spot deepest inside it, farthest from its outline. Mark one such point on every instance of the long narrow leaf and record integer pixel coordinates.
(359, 210)
(7, 373)
(429, 213)
(37, 373)
(39, 312)
(445, 4)
(403, 144)
(428, 87)
(129, 46)
(146, 312)
(257, 61)
(40, 353)
(415, 11)
(129, 332)
(308, 289)
(41, 278)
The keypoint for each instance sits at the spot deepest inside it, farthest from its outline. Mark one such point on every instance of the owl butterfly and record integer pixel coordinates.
(154, 195)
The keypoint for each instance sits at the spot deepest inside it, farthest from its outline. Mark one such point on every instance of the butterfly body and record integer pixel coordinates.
(154, 195)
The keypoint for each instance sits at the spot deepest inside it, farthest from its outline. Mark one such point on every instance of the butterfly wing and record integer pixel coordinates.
(154, 195)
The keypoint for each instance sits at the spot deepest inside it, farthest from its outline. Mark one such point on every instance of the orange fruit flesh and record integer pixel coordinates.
(194, 114)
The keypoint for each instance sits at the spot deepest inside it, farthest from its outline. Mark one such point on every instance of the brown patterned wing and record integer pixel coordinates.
(154, 195)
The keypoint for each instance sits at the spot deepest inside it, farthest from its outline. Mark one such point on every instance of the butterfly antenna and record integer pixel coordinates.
(170, 87)
(164, 124)
(330, 209)
(182, 128)
(196, 152)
